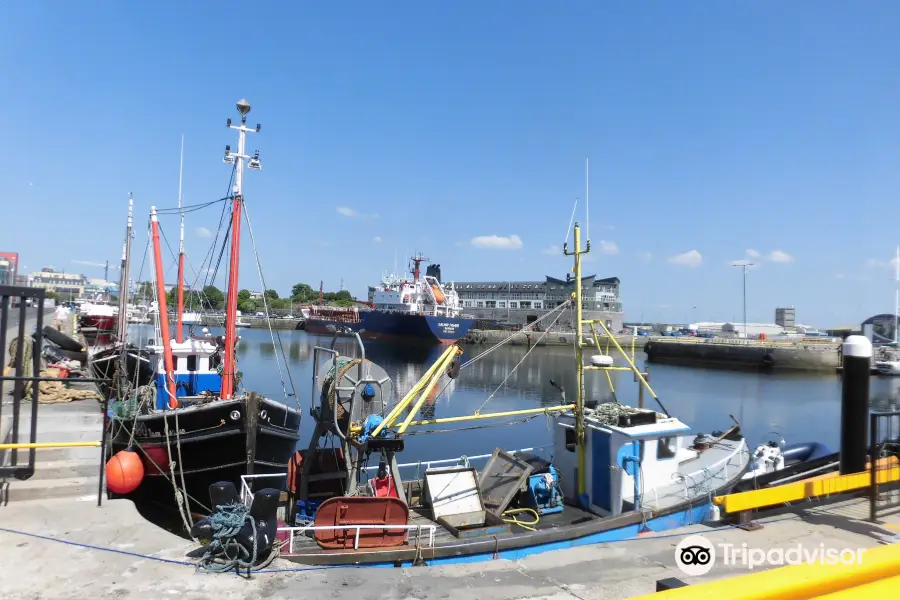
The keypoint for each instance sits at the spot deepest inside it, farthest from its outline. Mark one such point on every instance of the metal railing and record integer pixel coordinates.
(294, 531)
(11, 466)
(884, 452)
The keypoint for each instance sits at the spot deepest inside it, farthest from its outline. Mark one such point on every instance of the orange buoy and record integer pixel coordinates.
(124, 472)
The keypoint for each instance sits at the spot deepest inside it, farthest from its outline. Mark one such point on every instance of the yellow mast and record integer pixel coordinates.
(579, 360)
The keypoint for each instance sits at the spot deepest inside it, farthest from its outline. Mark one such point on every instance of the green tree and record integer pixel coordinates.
(247, 306)
(243, 295)
(51, 295)
(302, 292)
(213, 298)
(280, 303)
(343, 295)
(271, 294)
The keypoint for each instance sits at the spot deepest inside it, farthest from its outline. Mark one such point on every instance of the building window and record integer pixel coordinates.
(524, 304)
(490, 304)
(501, 304)
(479, 304)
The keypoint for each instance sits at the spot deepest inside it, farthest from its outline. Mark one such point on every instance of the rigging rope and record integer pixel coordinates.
(272, 335)
(518, 364)
(527, 328)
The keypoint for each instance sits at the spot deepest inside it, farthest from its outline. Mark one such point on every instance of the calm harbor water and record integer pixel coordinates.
(801, 407)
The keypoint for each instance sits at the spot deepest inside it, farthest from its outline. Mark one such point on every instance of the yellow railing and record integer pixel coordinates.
(45, 445)
(887, 471)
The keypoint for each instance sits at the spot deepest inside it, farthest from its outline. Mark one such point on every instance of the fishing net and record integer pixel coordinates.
(609, 413)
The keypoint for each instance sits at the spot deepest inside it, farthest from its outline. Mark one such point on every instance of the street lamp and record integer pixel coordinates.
(744, 265)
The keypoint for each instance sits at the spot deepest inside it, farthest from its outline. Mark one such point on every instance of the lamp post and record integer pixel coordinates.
(744, 265)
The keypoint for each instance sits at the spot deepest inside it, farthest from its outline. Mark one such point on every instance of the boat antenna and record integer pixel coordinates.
(179, 326)
(587, 199)
(237, 159)
(571, 221)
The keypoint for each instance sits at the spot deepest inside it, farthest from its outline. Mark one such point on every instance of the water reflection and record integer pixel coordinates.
(800, 407)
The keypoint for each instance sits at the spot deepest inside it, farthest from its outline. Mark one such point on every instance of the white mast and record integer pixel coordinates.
(180, 173)
(587, 196)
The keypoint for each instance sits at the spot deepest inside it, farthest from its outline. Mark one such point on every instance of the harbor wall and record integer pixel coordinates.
(551, 338)
(745, 354)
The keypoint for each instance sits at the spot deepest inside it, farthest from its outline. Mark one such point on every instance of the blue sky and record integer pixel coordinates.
(713, 130)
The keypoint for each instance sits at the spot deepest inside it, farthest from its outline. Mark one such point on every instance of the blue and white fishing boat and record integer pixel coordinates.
(613, 471)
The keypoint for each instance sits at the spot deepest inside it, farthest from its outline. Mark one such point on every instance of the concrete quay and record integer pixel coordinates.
(70, 548)
(490, 337)
(745, 354)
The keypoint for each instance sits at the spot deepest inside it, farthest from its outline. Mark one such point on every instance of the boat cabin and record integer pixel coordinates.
(197, 361)
(638, 455)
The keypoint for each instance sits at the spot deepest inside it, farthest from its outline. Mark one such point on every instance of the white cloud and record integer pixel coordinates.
(691, 258)
(840, 276)
(751, 253)
(377, 239)
(645, 256)
(352, 213)
(203, 232)
(552, 251)
(878, 263)
(88, 263)
(780, 256)
(608, 247)
(497, 242)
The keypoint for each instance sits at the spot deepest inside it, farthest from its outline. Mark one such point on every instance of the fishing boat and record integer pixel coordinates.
(195, 425)
(417, 309)
(612, 472)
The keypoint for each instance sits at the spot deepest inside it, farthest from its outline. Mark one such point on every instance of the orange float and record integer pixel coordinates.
(124, 472)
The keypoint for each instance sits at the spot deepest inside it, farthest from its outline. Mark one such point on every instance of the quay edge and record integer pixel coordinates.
(746, 354)
(491, 337)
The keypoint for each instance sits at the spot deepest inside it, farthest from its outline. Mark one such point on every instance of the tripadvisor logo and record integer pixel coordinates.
(695, 555)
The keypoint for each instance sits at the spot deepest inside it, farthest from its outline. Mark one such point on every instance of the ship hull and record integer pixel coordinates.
(377, 325)
(219, 440)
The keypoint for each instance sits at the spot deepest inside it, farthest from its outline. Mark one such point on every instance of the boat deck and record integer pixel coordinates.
(680, 503)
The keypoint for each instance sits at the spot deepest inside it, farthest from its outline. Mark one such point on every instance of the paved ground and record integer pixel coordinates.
(45, 569)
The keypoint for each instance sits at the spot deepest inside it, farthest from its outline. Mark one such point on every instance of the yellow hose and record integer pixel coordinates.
(529, 525)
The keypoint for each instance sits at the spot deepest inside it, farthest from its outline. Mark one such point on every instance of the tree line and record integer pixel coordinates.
(212, 298)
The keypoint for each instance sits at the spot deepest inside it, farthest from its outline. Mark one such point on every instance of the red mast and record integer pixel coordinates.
(418, 259)
(179, 333)
(163, 311)
(231, 299)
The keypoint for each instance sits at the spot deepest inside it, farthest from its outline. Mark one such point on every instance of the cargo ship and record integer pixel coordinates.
(422, 309)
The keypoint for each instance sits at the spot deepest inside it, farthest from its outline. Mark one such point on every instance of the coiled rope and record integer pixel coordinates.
(224, 553)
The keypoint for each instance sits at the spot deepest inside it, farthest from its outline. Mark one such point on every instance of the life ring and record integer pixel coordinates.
(768, 360)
